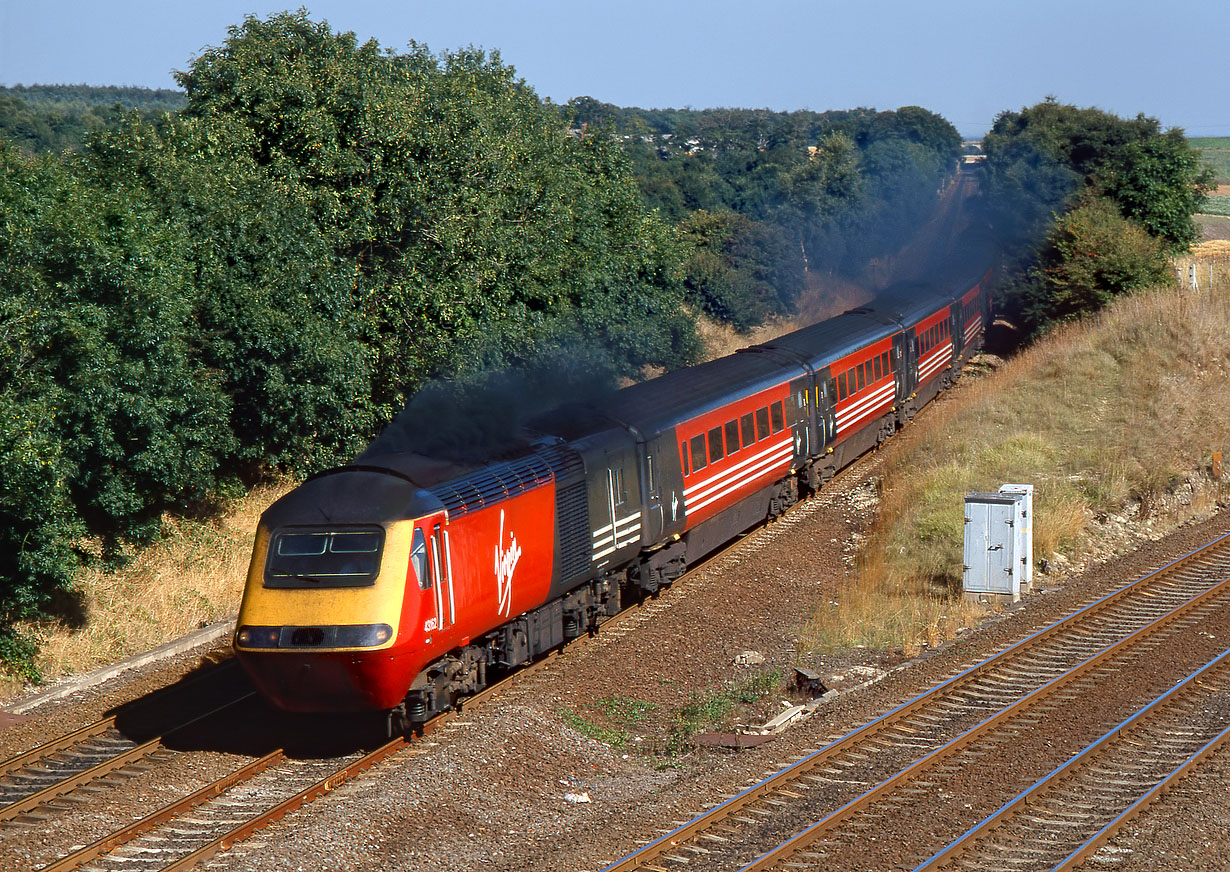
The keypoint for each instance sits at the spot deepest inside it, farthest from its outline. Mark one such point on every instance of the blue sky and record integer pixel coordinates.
(966, 61)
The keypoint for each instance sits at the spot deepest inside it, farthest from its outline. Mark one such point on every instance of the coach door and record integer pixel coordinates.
(956, 328)
(651, 478)
(442, 567)
(621, 512)
(799, 417)
(905, 350)
(826, 409)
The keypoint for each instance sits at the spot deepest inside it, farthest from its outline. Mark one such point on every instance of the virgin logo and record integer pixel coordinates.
(505, 564)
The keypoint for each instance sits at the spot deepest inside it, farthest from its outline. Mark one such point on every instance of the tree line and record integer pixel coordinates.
(764, 198)
(42, 118)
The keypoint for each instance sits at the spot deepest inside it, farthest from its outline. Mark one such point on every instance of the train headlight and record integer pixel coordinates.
(258, 637)
(363, 635)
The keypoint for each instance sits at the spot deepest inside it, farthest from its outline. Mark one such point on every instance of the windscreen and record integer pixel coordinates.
(339, 557)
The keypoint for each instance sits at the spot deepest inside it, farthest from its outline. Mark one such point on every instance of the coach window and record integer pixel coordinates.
(683, 453)
(698, 453)
(858, 371)
(887, 363)
(762, 423)
(715, 444)
(749, 432)
(867, 371)
(418, 559)
(732, 436)
(841, 386)
(833, 389)
(779, 420)
(879, 372)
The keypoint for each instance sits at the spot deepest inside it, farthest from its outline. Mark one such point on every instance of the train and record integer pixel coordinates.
(401, 583)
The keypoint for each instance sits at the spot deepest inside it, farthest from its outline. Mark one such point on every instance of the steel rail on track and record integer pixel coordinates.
(151, 821)
(106, 767)
(831, 821)
(688, 831)
(991, 822)
(320, 788)
(14, 764)
(1107, 832)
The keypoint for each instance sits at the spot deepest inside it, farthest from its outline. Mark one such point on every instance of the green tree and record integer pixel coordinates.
(1092, 255)
(477, 226)
(740, 271)
(1160, 183)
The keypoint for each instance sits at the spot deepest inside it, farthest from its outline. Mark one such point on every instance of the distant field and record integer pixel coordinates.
(1217, 206)
(1213, 227)
(1215, 152)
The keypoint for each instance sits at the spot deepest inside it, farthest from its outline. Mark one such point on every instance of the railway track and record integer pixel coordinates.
(190, 830)
(101, 755)
(1061, 820)
(920, 752)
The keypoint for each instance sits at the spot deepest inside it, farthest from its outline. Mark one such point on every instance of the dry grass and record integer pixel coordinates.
(1109, 415)
(194, 576)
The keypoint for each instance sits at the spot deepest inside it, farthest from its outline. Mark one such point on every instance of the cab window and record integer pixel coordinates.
(338, 557)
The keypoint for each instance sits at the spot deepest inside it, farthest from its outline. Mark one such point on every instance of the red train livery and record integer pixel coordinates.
(397, 582)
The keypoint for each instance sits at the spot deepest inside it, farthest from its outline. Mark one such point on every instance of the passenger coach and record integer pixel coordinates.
(398, 582)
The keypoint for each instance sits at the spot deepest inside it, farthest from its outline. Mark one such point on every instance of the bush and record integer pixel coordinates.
(1092, 255)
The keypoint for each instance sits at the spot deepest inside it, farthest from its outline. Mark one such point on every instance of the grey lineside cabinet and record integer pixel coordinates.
(999, 543)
